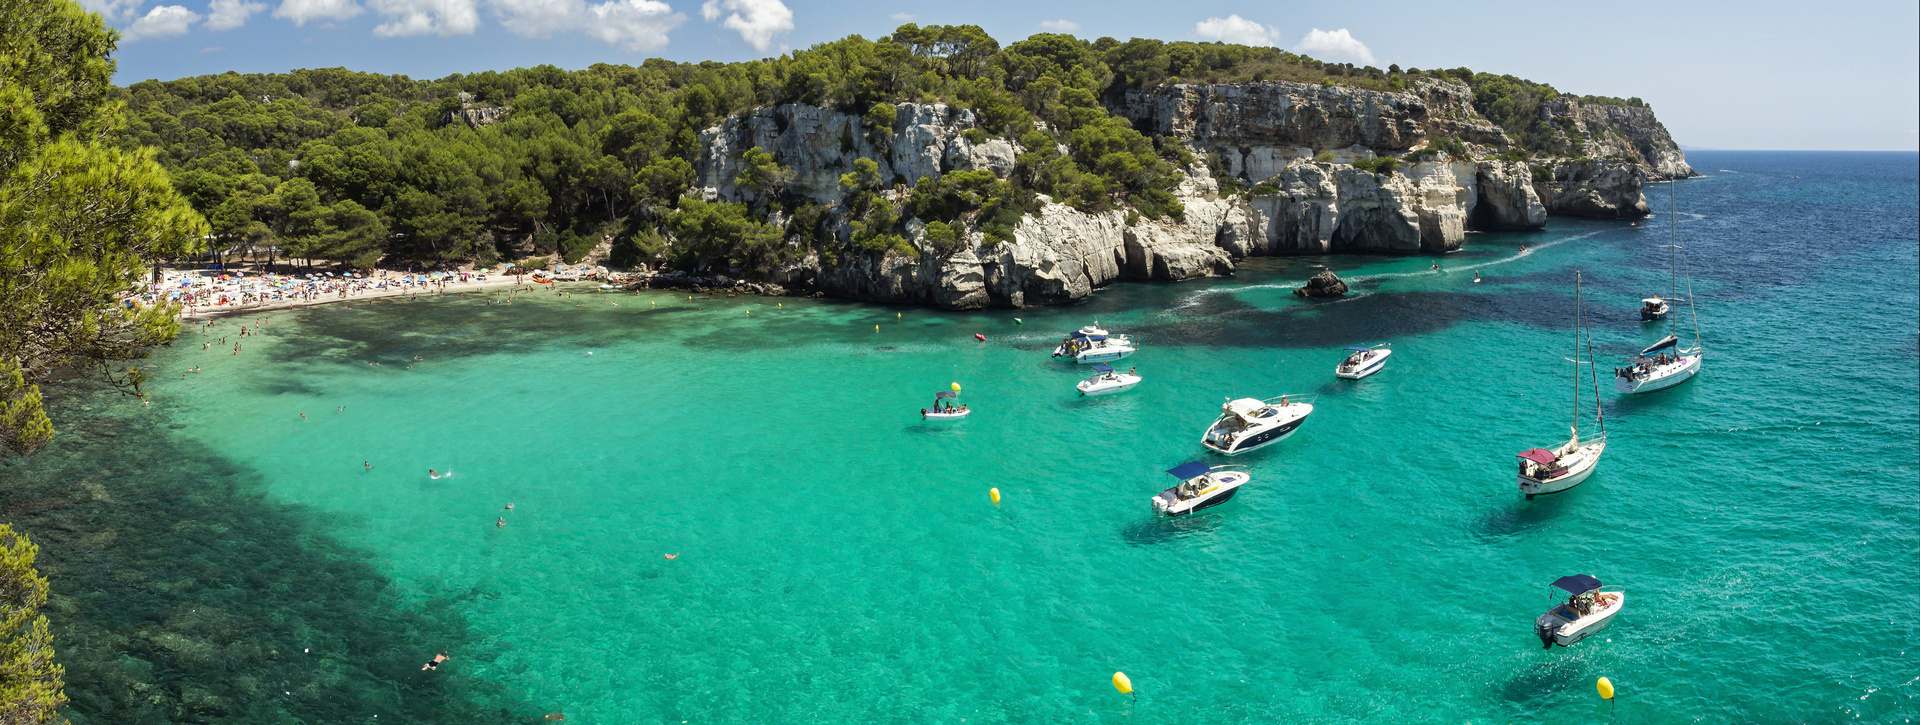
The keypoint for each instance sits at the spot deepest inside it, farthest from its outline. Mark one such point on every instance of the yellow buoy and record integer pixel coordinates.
(896, 315)
(994, 493)
(779, 304)
(876, 328)
(1121, 683)
(1606, 688)
(956, 387)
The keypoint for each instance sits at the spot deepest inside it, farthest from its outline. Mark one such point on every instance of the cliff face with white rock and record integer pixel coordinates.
(1286, 150)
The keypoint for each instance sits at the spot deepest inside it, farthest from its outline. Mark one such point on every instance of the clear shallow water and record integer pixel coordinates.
(838, 558)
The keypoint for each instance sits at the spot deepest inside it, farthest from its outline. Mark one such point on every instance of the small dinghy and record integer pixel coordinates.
(1587, 610)
(1363, 362)
(1106, 382)
(1200, 487)
(1249, 423)
(947, 413)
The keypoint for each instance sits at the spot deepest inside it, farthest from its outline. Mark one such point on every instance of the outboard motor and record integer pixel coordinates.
(1544, 628)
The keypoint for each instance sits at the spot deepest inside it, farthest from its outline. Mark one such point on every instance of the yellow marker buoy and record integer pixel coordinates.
(896, 315)
(779, 304)
(956, 387)
(994, 493)
(1605, 686)
(1121, 683)
(876, 328)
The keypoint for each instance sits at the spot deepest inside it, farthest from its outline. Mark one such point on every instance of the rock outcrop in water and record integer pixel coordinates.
(1295, 151)
(1324, 284)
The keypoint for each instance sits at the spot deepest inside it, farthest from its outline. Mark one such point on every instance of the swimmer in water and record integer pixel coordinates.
(500, 522)
(433, 473)
(509, 507)
(368, 464)
(434, 664)
(1476, 275)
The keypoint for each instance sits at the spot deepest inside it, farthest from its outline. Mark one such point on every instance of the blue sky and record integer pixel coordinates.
(1729, 75)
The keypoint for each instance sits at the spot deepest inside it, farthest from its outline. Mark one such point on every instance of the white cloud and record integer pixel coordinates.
(1063, 25)
(1338, 45)
(113, 10)
(757, 21)
(161, 22)
(1236, 29)
(230, 14)
(634, 25)
(301, 11)
(420, 17)
(902, 17)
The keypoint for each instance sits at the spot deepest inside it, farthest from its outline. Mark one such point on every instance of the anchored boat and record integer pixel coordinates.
(1201, 487)
(947, 413)
(1363, 362)
(1587, 610)
(1247, 424)
(1552, 471)
(1091, 344)
(1106, 381)
(1664, 365)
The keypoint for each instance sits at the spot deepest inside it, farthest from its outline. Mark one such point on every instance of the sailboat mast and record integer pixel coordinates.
(1576, 357)
(1593, 371)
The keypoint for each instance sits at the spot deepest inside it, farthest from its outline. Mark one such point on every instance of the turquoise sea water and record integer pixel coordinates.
(839, 560)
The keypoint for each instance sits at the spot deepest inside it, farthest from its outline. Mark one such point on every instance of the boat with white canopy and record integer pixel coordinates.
(947, 413)
(1201, 487)
(1107, 381)
(1586, 611)
(1545, 471)
(1665, 364)
(1091, 344)
(1362, 361)
(1247, 424)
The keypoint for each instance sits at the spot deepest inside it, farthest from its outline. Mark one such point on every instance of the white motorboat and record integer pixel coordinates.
(947, 413)
(1247, 424)
(1200, 487)
(1091, 344)
(1587, 610)
(1106, 381)
(1363, 362)
(1654, 308)
(1664, 364)
(1658, 367)
(1545, 471)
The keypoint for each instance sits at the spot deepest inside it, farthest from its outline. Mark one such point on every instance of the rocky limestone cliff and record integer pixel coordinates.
(1257, 129)
(1264, 134)
(1621, 133)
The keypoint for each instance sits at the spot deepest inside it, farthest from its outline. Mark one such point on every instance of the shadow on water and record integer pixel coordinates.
(181, 594)
(1549, 677)
(1518, 516)
(1164, 529)
(1376, 316)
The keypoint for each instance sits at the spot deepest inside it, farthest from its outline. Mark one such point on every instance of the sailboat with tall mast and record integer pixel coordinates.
(1544, 471)
(1664, 364)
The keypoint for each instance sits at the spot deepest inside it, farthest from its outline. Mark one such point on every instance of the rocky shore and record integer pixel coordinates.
(1281, 168)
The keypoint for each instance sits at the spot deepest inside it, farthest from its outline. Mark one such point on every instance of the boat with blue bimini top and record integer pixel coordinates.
(1106, 381)
(1362, 361)
(947, 413)
(1201, 487)
(1247, 424)
(1091, 344)
(1587, 610)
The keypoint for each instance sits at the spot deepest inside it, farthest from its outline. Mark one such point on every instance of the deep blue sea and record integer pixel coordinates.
(215, 557)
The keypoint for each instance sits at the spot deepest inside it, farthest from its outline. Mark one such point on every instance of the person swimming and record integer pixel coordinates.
(509, 507)
(434, 664)
(433, 473)
(500, 522)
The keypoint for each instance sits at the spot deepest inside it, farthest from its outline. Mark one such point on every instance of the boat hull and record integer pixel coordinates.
(1668, 376)
(1168, 503)
(1259, 440)
(1556, 628)
(1108, 389)
(1372, 366)
(955, 415)
(1574, 476)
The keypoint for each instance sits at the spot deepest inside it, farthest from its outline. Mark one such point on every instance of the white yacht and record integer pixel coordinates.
(1587, 610)
(1654, 308)
(947, 413)
(1106, 381)
(1658, 367)
(1091, 344)
(1664, 364)
(1247, 424)
(1362, 362)
(1200, 487)
(1552, 471)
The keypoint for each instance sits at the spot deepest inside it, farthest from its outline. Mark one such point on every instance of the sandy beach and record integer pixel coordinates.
(217, 296)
